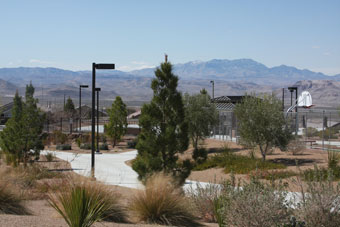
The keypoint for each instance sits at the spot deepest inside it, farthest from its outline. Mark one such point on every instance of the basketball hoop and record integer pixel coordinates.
(304, 101)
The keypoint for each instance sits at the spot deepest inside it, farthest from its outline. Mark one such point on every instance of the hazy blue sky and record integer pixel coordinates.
(135, 34)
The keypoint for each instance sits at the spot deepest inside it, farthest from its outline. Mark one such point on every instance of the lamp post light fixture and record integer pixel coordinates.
(80, 87)
(94, 67)
(98, 90)
(213, 89)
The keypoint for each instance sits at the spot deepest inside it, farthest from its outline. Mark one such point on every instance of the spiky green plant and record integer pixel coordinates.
(83, 204)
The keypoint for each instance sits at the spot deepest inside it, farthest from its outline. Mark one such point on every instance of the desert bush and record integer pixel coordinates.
(296, 147)
(86, 146)
(320, 204)
(255, 204)
(64, 147)
(78, 142)
(333, 159)
(205, 200)
(328, 133)
(10, 200)
(238, 164)
(311, 132)
(200, 155)
(49, 156)
(104, 146)
(59, 137)
(84, 203)
(162, 202)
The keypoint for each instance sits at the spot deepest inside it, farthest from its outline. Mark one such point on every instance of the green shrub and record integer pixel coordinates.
(64, 147)
(84, 203)
(328, 134)
(162, 202)
(132, 144)
(104, 147)
(59, 137)
(86, 146)
(78, 142)
(272, 175)
(200, 155)
(238, 164)
(49, 156)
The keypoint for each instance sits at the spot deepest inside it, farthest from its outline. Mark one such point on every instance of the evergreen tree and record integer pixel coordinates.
(69, 106)
(164, 132)
(116, 128)
(23, 131)
(11, 141)
(32, 122)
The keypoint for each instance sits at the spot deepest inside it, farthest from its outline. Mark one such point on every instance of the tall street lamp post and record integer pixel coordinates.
(98, 90)
(80, 87)
(94, 67)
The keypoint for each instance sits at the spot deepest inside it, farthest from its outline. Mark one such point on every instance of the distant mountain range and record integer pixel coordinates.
(232, 77)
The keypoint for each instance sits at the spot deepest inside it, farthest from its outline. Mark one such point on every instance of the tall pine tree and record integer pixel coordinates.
(164, 131)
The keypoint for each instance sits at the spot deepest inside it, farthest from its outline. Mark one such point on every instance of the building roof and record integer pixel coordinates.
(224, 106)
(227, 102)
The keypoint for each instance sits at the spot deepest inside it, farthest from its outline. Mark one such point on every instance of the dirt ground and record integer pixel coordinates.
(306, 160)
(44, 215)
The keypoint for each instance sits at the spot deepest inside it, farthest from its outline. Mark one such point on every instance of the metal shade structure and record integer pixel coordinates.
(93, 125)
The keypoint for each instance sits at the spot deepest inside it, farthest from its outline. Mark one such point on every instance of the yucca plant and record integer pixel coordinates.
(83, 204)
(162, 202)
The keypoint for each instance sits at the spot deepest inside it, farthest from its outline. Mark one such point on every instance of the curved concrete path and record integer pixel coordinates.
(109, 168)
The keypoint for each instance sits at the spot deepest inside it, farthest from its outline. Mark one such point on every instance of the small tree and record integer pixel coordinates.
(11, 142)
(261, 122)
(116, 128)
(23, 132)
(201, 115)
(164, 131)
(69, 106)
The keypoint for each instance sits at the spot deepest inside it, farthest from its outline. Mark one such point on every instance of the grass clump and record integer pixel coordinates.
(83, 203)
(238, 164)
(162, 202)
(10, 200)
(49, 156)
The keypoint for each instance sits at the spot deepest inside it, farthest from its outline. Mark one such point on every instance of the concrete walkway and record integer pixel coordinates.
(110, 168)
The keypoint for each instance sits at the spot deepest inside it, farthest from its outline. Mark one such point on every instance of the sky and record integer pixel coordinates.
(135, 34)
